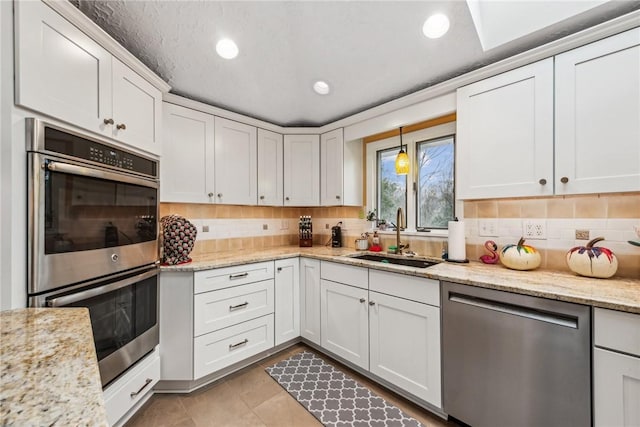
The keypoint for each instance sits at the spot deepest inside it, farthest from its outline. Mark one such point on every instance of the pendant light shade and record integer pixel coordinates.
(402, 161)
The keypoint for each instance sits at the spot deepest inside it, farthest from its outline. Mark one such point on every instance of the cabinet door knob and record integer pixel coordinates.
(338, 197)
(564, 180)
(279, 269)
(543, 181)
(121, 126)
(219, 194)
(372, 303)
(108, 121)
(210, 194)
(362, 300)
(261, 197)
(286, 198)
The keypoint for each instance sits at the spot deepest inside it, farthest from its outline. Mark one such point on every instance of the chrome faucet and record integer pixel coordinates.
(399, 224)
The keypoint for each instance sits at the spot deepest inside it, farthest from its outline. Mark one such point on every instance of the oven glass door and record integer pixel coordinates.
(84, 213)
(120, 315)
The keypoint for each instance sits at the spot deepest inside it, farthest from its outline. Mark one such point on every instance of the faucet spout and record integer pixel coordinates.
(399, 224)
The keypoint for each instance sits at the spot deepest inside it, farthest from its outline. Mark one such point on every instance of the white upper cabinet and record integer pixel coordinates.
(331, 168)
(187, 161)
(270, 168)
(597, 116)
(505, 134)
(301, 170)
(60, 71)
(236, 163)
(137, 107)
(63, 73)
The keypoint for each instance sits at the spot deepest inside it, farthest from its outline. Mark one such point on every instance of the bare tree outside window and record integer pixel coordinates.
(392, 188)
(436, 203)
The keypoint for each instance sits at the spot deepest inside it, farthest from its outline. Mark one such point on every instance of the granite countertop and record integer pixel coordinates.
(48, 369)
(615, 293)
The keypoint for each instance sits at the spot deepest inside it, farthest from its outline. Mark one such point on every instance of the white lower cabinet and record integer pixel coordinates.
(345, 322)
(310, 299)
(405, 345)
(616, 369)
(211, 319)
(131, 389)
(219, 349)
(287, 300)
(616, 384)
(225, 307)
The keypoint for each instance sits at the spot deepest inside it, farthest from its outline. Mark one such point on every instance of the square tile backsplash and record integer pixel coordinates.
(612, 216)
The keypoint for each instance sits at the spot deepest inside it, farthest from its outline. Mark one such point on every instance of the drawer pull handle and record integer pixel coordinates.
(121, 126)
(146, 383)
(238, 276)
(235, 307)
(279, 269)
(108, 121)
(234, 346)
(372, 303)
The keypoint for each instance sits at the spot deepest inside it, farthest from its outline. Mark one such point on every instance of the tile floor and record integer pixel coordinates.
(251, 397)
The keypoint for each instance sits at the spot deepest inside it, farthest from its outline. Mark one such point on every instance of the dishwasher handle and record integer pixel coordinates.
(516, 310)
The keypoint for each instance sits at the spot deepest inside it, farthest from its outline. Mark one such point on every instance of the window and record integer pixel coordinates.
(426, 194)
(392, 188)
(435, 189)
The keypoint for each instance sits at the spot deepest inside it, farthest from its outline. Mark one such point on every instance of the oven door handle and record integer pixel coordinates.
(97, 173)
(90, 293)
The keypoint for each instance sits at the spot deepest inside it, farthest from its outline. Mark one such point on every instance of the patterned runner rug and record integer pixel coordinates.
(333, 397)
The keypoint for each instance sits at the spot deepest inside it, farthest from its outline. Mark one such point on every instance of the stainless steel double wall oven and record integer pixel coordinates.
(93, 238)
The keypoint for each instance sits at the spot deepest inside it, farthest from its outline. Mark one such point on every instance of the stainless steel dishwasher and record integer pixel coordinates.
(512, 360)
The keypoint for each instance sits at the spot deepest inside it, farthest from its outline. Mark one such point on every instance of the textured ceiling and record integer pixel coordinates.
(369, 52)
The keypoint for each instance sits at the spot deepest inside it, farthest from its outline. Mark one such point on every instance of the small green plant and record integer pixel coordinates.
(372, 215)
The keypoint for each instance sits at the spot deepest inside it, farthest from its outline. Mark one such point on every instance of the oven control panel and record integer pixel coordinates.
(110, 157)
(58, 141)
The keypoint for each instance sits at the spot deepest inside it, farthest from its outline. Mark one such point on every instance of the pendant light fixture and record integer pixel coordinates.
(402, 161)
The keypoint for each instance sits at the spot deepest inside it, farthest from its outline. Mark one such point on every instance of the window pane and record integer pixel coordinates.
(435, 183)
(392, 188)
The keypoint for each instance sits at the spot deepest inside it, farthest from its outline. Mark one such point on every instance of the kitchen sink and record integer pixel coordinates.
(419, 263)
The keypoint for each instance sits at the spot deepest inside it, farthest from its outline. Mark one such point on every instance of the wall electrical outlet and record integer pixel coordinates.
(326, 226)
(265, 226)
(582, 234)
(535, 229)
(284, 224)
(205, 228)
(488, 227)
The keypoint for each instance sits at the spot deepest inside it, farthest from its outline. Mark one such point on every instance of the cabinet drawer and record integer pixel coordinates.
(418, 289)
(225, 347)
(123, 394)
(219, 309)
(617, 330)
(220, 278)
(347, 274)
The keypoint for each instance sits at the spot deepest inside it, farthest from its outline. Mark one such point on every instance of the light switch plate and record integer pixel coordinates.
(488, 227)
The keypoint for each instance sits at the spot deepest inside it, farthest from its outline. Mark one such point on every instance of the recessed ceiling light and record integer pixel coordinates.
(436, 26)
(227, 49)
(321, 88)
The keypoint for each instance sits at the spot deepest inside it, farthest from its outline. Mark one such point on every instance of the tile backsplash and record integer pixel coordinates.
(611, 216)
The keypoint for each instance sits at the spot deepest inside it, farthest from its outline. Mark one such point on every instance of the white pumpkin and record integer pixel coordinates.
(520, 256)
(591, 261)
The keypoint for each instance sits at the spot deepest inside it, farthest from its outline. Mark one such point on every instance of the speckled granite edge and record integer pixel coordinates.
(615, 293)
(48, 369)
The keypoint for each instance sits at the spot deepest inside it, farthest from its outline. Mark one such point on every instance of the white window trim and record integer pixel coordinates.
(410, 140)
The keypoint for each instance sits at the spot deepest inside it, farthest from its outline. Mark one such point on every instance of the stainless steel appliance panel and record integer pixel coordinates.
(89, 216)
(515, 360)
(124, 317)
